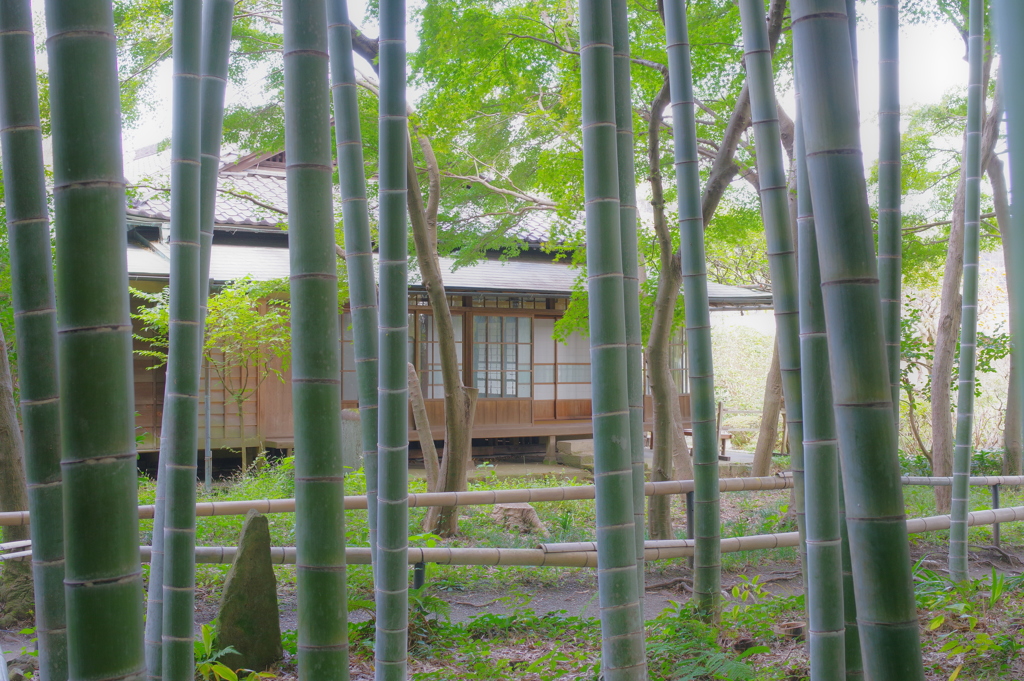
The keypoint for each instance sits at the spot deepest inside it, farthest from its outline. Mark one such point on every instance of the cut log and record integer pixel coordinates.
(522, 517)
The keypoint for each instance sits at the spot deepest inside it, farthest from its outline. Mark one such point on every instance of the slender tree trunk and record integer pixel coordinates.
(663, 387)
(460, 400)
(1013, 438)
(16, 585)
(419, 417)
(770, 410)
(947, 329)
(13, 492)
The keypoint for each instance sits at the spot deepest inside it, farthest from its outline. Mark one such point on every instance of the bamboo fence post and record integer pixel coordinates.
(103, 578)
(621, 619)
(886, 610)
(35, 325)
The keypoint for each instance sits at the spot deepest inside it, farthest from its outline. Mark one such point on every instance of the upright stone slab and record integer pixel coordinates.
(249, 620)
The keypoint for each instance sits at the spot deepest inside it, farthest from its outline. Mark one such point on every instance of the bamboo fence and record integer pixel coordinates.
(513, 496)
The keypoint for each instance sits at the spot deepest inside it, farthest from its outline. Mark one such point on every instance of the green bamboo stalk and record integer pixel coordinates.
(103, 577)
(781, 251)
(621, 618)
(180, 426)
(875, 517)
(358, 243)
(969, 306)
(707, 574)
(825, 598)
(391, 573)
(630, 271)
(890, 234)
(217, 18)
(35, 325)
(316, 369)
(1009, 17)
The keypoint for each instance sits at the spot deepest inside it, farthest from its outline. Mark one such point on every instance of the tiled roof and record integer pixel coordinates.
(229, 262)
(255, 198)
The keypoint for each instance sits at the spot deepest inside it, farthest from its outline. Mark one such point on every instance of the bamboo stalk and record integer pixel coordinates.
(35, 324)
(1009, 17)
(316, 351)
(969, 308)
(103, 578)
(707, 581)
(180, 426)
(890, 189)
(774, 194)
(391, 572)
(622, 649)
(875, 516)
(358, 243)
(825, 589)
(630, 270)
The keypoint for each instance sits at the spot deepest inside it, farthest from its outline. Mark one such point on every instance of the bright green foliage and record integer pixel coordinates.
(29, 279)
(246, 328)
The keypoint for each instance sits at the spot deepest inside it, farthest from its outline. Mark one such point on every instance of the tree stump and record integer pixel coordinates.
(522, 517)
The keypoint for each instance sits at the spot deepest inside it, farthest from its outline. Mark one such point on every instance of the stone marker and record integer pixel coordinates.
(249, 620)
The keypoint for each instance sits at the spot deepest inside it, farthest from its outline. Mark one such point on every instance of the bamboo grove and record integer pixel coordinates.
(836, 302)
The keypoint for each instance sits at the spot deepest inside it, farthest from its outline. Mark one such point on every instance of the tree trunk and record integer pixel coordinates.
(948, 327)
(16, 585)
(663, 388)
(770, 410)
(459, 400)
(419, 416)
(1013, 439)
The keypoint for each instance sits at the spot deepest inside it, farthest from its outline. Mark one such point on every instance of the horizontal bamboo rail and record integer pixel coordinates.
(576, 554)
(977, 481)
(512, 496)
(476, 498)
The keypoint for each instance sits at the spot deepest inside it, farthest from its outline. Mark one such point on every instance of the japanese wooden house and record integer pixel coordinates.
(504, 314)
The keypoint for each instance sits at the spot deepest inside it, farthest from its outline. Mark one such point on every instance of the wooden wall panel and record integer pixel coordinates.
(543, 410)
